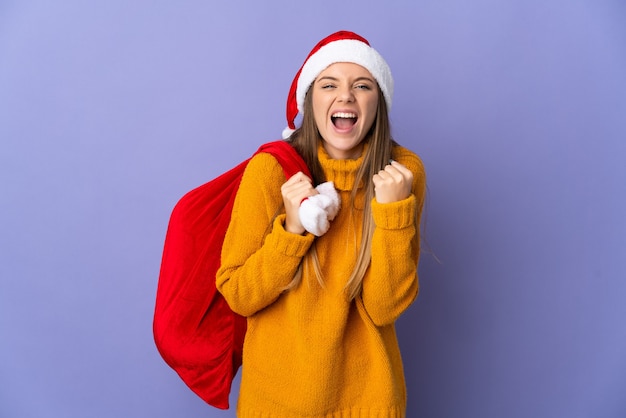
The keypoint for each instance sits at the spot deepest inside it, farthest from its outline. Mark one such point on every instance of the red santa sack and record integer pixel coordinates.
(195, 330)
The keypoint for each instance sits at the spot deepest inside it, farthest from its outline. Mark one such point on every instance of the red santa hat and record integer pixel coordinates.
(342, 46)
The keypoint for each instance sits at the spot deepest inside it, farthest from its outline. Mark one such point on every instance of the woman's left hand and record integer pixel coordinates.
(393, 183)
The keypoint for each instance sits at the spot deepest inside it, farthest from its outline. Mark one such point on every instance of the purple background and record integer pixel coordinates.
(110, 111)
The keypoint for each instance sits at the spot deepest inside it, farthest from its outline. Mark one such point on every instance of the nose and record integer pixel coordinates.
(345, 94)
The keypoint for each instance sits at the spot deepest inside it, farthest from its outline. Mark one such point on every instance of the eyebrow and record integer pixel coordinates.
(327, 77)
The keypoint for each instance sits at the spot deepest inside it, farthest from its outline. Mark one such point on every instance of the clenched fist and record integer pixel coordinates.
(294, 191)
(393, 183)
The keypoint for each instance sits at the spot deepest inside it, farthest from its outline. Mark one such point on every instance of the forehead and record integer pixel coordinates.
(346, 69)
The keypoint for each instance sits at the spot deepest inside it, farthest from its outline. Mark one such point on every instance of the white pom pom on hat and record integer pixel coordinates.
(342, 46)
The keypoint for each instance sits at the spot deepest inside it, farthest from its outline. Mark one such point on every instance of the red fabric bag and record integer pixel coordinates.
(195, 330)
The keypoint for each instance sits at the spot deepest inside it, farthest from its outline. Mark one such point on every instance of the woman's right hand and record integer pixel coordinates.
(294, 191)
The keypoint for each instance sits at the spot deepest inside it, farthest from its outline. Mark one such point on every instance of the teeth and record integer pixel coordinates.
(344, 115)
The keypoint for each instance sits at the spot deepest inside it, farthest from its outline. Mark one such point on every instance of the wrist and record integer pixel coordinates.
(294, 229)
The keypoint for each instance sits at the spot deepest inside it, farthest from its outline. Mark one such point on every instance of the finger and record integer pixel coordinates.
(392, 172)
(297, 181)
(392, 175)
(380, 178)
(401, 168)
(383, 174)
(297, 192)
(299, 177)
(399, 173)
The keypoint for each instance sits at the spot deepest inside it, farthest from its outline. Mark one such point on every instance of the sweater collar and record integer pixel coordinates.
(341, 172)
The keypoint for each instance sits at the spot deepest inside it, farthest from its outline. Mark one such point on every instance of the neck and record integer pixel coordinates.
(351, 154)
(341, 171)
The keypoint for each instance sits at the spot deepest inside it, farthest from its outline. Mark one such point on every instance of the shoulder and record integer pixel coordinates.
(260, 183)
(265, 168)
(263, 176)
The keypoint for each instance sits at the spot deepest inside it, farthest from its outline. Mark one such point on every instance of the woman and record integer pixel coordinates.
(321, 310)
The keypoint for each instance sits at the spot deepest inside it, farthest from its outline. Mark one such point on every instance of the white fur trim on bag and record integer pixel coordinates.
(318, 210)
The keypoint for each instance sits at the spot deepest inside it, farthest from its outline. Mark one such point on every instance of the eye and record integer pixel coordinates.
(363, 87)
(327, 86)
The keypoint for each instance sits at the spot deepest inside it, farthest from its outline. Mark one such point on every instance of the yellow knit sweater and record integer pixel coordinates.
(309, 352)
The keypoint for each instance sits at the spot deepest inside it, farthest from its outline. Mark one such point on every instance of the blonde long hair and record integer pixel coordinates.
(306, 140)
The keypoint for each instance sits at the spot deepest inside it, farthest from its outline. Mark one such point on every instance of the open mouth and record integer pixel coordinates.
(343, 120)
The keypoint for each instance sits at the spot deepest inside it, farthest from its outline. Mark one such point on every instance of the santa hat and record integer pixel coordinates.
(342, 46)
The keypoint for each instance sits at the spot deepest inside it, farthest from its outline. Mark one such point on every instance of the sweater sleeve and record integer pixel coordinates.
(392, 283)
(259, 258)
